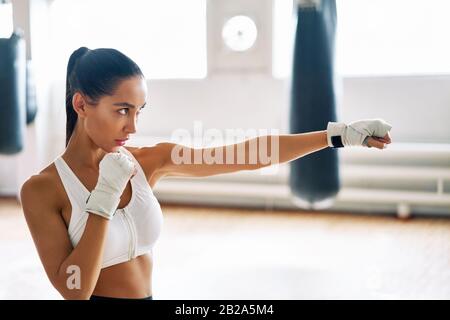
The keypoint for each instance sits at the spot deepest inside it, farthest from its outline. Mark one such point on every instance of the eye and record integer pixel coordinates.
(122, 110)
(119, 111)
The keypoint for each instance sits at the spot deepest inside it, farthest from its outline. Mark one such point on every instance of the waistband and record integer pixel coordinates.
(93, 297)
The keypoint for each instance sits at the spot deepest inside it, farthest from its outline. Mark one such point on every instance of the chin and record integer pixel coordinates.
(109, 149)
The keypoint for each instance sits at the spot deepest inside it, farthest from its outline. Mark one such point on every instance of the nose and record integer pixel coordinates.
(131, 125)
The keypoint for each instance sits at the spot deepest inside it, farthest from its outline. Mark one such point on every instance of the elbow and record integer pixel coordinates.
(69, 292)
(73, 286)
(75, 295)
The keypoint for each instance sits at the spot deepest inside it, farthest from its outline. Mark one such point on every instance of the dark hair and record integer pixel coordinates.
(95, 73)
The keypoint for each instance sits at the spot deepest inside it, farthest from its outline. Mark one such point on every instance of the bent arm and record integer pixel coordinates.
(63, 263)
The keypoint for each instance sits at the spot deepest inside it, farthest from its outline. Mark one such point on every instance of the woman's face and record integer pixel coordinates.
(115, 117)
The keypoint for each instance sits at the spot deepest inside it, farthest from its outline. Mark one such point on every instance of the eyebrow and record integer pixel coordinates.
(126, 104)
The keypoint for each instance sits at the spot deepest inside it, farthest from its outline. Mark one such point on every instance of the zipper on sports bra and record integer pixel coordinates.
(132, 246)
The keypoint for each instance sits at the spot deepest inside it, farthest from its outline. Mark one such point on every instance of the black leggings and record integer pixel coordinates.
(111, 298)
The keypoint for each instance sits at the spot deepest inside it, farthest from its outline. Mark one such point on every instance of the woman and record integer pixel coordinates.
(92, 213)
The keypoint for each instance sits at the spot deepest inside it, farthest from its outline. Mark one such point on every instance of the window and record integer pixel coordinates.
(283, 38)
(166, 38)
(239, 36)
(6, 20)
(383, 37)
(239, 33)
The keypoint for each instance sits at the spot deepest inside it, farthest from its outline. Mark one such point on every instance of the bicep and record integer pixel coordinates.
(46, 226)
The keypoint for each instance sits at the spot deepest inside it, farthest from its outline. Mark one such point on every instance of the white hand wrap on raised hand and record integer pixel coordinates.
(115, 170)
(356, 133)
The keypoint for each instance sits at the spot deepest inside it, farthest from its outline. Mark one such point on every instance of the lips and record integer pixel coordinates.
(121, 142)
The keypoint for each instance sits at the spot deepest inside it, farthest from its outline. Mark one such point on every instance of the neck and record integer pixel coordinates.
(83, 152)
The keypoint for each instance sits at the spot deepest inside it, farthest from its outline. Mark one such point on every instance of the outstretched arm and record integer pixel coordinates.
(250, 154)
(263, 151)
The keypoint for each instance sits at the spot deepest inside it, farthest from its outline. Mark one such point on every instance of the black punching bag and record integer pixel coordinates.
(314, 179)
(12, 94)
(31, 104)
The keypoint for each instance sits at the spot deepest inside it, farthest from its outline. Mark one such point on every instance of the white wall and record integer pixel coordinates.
(417, 107)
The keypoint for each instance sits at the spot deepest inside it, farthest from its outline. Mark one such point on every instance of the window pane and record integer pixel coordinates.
(386, 37)
(383, 37)
(6, 20)
(283, 37)
(166, 38)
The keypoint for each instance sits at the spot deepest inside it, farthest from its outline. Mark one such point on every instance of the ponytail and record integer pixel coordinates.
(72, 116)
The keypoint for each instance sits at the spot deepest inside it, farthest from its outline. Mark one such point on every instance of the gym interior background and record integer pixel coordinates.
(228, 64)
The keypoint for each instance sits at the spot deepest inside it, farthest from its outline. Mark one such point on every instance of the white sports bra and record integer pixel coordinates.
(132, 231)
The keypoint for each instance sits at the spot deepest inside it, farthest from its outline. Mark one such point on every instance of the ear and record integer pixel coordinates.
(79, 104)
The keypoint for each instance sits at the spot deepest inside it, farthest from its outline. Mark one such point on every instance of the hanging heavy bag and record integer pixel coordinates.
(12, 93)
(31, 105)
(314, 178)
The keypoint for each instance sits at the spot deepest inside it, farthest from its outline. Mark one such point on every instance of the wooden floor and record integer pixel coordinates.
(222, 253)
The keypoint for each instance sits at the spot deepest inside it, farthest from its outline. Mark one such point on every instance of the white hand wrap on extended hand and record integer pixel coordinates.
(356, 133)
(115, 170)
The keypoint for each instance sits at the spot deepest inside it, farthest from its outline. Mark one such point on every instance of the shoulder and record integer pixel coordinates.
(153, 156)
(39, 182)
(153, 159)
(39, 191)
